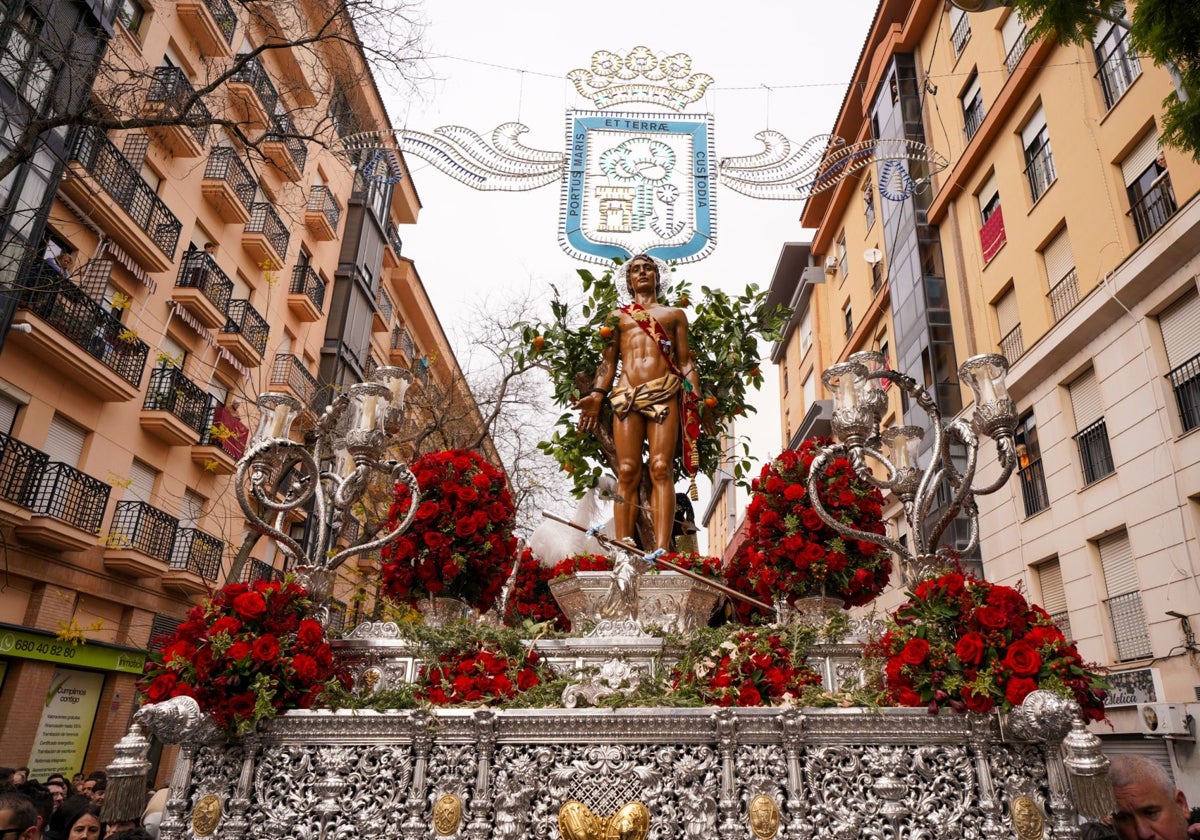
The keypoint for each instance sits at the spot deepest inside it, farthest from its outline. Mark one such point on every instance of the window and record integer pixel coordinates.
(1118, 67)
(131, 14)
(988, 198)
(992, 235)
(1180, 325)
(8, 413)
(1054, 594)
(848, 317)
(972, 106)
(1029, 466)
(1008, 319)
(842, 258)
(868, 194)
(810, 390)
(1039, 161)
(1095, 456)
(1125, 610)
(1148, 186)
(141, 481)
(22, 64)
(1060, 274)
(1013, 35)
(192, 510)
(805, 331)
(960, 30)
(64, 441)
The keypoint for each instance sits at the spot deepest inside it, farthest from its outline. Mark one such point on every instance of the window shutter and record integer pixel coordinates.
(810, 391)
(1036, 123)
(1054, 594)
(8, 413)
(175, 350)
(805, 331)
(64, 441)
(1007, 314)
(1013, 28)
(1139, 160)
(141, 486)
(219, 392)
(971, 92)
(1085, 400)
(1180, 325)
(193, 509)
(1058, 257)
(1116, 559)
(986, 192)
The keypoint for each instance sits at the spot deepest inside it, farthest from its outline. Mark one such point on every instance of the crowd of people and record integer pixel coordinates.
(62, 809)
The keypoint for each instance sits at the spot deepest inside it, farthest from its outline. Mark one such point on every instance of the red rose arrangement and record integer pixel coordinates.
(747, 668)
(971, 645)
(480, 674)
(709, 567)
(581, 563)
(530, 598)
(245, 654)
(461, 542)
(790, 552)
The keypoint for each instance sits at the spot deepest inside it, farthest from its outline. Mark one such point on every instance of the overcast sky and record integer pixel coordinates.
(778, 65)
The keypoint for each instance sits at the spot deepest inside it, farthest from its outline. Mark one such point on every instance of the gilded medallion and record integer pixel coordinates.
(206, 815)
(1027, 818)
(447, 814)
(577, 822)
(764, 817)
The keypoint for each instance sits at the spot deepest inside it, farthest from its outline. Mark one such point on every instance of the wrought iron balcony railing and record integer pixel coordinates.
(305, 281)
(401, 340)
(125, 186)
(20, 468)
(1040, 171)
(1064, 296)
(1185, 382)
(1117, 72)
(244, 319)
(256, 570)
(71, 496)
(1154, 208)
(144, 528)
(320, 200)
(172, 88)
(973, 116)
(283, 130)
(225, 165)
(1128, 618)
(225, 17)
(393, 237)
(1012, 345)
(1016, 52)
(961, 34)
(197, 552)
(252, 73)
(226, 431)
(1062, 620)
(290, 371)
(68, 309)
(1095, 455)
(171, 391)
(384, 301)
(264, 220)
(1033, 488)
(200, 271)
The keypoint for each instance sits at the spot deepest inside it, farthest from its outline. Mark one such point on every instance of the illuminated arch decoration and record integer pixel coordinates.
(645, 182)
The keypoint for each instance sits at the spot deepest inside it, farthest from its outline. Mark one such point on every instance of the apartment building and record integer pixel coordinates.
(1062, 235)
(185, 269)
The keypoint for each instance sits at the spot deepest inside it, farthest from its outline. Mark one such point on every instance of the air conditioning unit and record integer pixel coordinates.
(1168, 720)
(831, 265)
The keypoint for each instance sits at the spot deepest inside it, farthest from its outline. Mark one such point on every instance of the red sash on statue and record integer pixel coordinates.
(689, 415)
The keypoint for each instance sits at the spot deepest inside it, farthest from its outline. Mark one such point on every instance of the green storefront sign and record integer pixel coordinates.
(27, 645)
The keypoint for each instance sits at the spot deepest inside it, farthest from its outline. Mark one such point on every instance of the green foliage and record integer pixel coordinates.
(724, 332)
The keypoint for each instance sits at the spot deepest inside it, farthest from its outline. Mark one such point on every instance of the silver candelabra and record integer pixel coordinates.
(344, 455)
(859, 403)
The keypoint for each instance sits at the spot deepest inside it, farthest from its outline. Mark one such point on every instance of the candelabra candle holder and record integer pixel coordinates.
(859, 403)
(343, 456)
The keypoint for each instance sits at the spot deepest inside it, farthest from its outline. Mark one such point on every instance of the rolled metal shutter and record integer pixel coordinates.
(1085, 399)
(1058, 257)
(1116, 559)
(1180, 325)
(1139, 160)
(64, 441)
(1007, 314)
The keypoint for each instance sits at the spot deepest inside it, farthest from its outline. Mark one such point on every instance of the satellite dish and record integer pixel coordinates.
(872, 255)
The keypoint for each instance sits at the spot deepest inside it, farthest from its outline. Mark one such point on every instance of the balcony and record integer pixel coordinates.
(67, 507)
(195, 562)
(221, 443)
(1185, 383)
(961, 34)
(140, 540)
(203, 289)
(63, 320)
(168, 94)
(1012, 346)
(383, 311)
(391, 254)
(252, 95)
(322, 213)
(1128, 619)
(175, 409)
(245, 333)
(289, 376)
(1117, 72)
(1040, 171)
(284, 149)
(228, 185)
(256, 570)
(1064, 296)
(211, 24)
(1016, 52)
(1095, 454)
(20, 468)
(402, 348)
(133, 215)
(973, 116)
(1152, 210)
(264, 237)
(1033, 487)
(306, 295)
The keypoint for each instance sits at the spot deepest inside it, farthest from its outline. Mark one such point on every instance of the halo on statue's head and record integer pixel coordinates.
(621, 279)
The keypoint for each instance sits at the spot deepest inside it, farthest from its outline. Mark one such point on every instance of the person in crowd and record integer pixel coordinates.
(42, 801)
(59, 787)
(120, 827)
(77, 783)
(152, 816)
(20, 776)
(132, 834)
(1149, 806)
(18, 817)
(77, 819)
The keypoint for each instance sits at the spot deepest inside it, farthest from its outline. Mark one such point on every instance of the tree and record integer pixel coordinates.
(1167, 31)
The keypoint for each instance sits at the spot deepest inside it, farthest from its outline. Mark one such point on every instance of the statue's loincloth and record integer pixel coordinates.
(652, 399)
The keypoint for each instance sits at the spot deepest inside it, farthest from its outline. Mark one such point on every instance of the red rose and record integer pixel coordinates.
(1018, 688)
(250, 605)
(266, 649)
(306, 667)
(970, 648)
(748, 695)
(310, 633)
(465, 527)
(915, 652)
(241, 706)
(527, 679)
(238, 651)
(1023, 659)
(427, 510)
(435, 540)
(225, 624)
(977, 702)
(992, 618)
(161, 687)
(908, 697)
